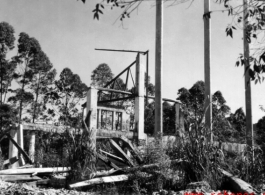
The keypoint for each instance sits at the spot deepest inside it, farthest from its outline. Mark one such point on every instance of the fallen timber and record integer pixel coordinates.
(118, 150)
(111, 156)
(109, 179)
(236, 184)
(34, 170)
(134, 150)
(118, 178)
(16, 178)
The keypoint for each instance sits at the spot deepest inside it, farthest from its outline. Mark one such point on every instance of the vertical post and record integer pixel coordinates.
(99, 119)
(20, 141)
(32, 138)
(113, 120)
(13, 151)
(92, 107)
(159, 69)
(249, 126)
(139, 100)
(207, 69)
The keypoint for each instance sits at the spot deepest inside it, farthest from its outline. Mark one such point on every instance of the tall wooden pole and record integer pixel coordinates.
(249, 126)
(159, 69)
(207, 69)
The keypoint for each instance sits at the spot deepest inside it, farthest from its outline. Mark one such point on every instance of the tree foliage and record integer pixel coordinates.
(193, 107)
(28, 50)
(68, 92)
(43, 77)
(260, 133)
(101, 75)
(8, 116)
(238, 122)
(7, 41)
(254, 23)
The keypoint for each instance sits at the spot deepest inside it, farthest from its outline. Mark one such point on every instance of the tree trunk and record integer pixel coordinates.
(22, 89)
(36, 101)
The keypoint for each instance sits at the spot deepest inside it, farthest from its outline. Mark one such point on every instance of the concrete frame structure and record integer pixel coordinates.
(91, 116)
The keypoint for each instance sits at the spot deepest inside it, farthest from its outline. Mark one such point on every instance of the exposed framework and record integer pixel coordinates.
(123, 90)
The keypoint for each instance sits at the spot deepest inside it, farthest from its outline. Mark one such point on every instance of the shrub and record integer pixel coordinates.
(248, 167)
(80, 150)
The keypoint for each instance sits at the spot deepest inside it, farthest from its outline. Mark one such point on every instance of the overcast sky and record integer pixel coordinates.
(69, 35)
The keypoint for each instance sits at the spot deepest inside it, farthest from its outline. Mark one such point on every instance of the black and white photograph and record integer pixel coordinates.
(132, 97)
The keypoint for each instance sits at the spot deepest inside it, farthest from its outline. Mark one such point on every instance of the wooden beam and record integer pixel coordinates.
(107, 161)
(105, 173)
(16, 178)
(109, 179)
(112, 156)
(133, 149)
(118, 149)
(34, 170)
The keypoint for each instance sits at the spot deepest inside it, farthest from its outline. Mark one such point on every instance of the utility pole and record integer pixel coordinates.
(1, 89)
(249, 125)
(159, 69)
(207, 69)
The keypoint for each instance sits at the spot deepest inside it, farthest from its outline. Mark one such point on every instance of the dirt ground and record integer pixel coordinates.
(23, 189)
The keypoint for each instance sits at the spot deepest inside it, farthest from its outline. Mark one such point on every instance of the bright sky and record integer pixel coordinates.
(68, 35)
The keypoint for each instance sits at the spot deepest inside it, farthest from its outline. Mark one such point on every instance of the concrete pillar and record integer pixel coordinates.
(139, 100)
(92, 107)
(13, 151)
(20, 141)
(207, 69)
(159, 69)
(17, 135)
(32, 138)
